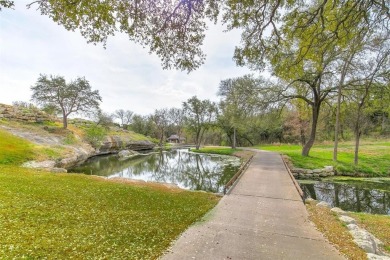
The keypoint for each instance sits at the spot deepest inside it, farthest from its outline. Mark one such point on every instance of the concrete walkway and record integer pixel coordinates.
(263, 217)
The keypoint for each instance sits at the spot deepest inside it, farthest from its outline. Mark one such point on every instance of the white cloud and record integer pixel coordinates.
(126, 75)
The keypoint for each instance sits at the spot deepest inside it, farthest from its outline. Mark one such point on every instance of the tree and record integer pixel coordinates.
(175, 30)
(128, 117)
(304, 46)
(74, 97)
(6, 4)
(142, 125)
(176, 119)
(240, 97)
(373, 72)
(124, 116)
(160, 118)
(102, 118)
(199, 115)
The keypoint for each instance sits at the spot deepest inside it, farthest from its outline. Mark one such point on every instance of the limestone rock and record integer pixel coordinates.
(328, 168)
(298, 170)
(323, 174)
(338, 211)
(363, 239)
(58, 170)
(371, 256)
(347, 220)
(317, 171)
(124, 154)
(323, 204)
(352, 227)
(43, 164)
(113, 144)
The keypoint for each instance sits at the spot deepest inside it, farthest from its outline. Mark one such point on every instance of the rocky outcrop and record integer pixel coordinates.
(45, 165)
(364, 239)
(300, 173)
(79, 155)
(23, 114)
(125, 154)
(114, 144)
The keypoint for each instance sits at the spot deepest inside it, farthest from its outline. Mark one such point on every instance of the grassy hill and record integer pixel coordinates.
(47, 215)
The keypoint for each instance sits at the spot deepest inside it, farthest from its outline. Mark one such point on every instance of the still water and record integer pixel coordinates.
(359, 196)
(186, 169)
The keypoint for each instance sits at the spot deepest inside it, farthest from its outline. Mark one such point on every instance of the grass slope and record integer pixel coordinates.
(374, 157)
(14, 150)
(335, 231)
(378, 225)
(56, 216)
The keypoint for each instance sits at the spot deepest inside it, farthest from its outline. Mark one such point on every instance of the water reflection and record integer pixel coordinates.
(187, 170)
(356, 197)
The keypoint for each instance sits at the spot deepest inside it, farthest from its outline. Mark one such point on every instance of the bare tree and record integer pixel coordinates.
(124, 116)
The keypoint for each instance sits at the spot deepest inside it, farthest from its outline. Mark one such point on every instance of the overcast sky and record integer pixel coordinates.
(126, 75)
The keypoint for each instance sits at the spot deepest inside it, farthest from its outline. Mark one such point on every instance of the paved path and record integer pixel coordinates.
(263, 217)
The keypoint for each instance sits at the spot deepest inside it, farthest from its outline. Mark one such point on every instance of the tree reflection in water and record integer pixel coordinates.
(359, 197)
(187, 170)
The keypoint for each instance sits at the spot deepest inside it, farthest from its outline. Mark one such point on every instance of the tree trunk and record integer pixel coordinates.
(198, 139)
(64, 120)
(234, 138)
(161, 137)
(337, 126)
(302, 134)
(357, 143)
(383, 124)
(310, 142)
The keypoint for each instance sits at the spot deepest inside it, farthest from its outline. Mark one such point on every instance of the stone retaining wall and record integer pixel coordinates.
(299, 173)
(23, 114)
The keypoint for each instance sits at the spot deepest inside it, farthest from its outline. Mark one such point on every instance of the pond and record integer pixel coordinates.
(364, 195)
(185, 169)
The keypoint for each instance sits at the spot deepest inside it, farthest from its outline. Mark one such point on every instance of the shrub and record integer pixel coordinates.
(95, 135)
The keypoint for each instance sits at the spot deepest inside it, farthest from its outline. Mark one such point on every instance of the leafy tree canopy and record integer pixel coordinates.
(175, 30)
(74, 97)
(6, 4)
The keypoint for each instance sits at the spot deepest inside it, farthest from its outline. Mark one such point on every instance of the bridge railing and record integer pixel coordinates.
(237, 175)
(294, 180)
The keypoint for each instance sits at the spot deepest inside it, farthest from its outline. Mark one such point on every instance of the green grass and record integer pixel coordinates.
(378, 225)
(63, 216)
(216, 150)
(14, 150)
(374, 157)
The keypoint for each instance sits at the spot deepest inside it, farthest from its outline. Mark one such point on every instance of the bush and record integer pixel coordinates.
(95, 135)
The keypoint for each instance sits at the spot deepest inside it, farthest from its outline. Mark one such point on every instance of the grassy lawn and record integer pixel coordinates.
(58, 216)
(216, 150)
(378, 225)
(374, 157)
